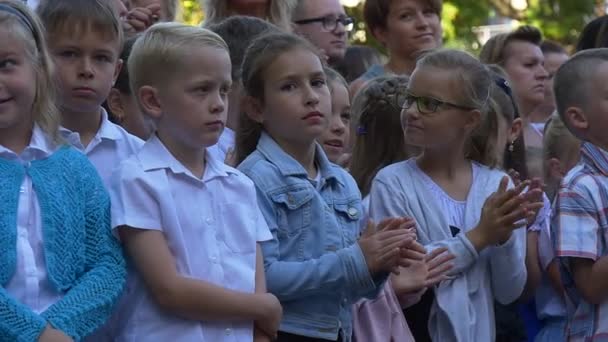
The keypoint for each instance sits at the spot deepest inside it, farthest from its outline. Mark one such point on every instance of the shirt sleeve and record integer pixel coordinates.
(134, 197)
(577, 229)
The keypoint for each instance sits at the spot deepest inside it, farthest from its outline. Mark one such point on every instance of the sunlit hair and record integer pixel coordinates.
(494, 50)
(77, 17)
(278, 12)
(262, 52)
(31, 34)
(573, 81)
(558, 143)
(379, 138)
(166, 44)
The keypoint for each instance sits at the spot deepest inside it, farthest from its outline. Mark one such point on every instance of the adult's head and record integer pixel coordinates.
(520, 55)
(325, 24)
(277, 12)
(594, 35)
(405, 27)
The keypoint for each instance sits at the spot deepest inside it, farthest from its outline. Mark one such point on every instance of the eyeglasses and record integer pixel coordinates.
(429, 105)
(330, 23)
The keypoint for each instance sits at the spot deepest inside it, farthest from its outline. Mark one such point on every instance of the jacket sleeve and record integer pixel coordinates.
(508, 268)
(89, 303)
(385, 203)
(290, 280)
(17, 321)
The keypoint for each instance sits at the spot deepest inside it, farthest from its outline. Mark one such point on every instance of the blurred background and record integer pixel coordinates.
(468, 24)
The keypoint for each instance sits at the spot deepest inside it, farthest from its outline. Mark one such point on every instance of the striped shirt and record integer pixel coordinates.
(580, 227)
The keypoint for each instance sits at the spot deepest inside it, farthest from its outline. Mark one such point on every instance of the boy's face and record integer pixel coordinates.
(194, 102)
(596, 111)
(87, 66)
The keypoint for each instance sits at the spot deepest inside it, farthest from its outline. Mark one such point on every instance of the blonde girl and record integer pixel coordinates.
(315, 264)
(277, 12)
(457, 203)
(61, 270)
(337, 137)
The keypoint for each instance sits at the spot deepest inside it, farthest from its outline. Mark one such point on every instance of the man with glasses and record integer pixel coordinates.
(325, 24)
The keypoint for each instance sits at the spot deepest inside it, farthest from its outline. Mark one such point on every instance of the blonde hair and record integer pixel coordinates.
(28, 29)
(278, 12)
(475, 82)
(262, 52)
(76, 17)
(334, 76)
(557, 142)
(379, 138)
(166, 44)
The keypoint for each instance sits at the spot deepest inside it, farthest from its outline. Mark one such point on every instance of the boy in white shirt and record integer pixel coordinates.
(85, 39)
(189, 223)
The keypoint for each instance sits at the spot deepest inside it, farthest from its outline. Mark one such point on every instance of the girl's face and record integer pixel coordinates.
(297, 102)
(336, 137)
(446, 126)
(411, 27)
(17, 85)
(524, 65)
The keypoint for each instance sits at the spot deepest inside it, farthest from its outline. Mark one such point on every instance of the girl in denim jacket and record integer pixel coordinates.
(314, 263)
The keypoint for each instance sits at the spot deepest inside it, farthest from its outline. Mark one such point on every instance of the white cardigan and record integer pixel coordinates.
(464, 307)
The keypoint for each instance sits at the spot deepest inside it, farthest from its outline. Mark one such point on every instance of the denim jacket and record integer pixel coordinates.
(313, 263)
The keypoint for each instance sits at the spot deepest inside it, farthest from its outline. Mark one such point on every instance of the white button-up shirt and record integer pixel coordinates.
(30, 285)
(111, 145)
(211, 225)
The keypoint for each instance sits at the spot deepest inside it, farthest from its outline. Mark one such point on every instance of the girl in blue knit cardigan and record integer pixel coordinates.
(61, 270)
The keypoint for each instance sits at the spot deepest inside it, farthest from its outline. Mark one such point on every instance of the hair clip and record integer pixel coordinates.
(17, 13)
(504, 85)
(361, 130)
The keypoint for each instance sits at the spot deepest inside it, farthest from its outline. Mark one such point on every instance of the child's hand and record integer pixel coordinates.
(502, 213)
(381, 247)
(424, 273)
(273, 313)
(260, 336)
(140, 18)
(50, 334)
(535, 192)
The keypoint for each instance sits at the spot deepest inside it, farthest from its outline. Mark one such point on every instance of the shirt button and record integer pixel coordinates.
(209, 220)
(228, 332)
(214, 259)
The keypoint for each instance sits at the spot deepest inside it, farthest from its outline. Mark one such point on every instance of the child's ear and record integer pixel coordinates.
(115, 104)
(473, 120)
(149, 101)
(576, 118)
(119, 65)
(516, 128)
(556, 170)
(253, 108)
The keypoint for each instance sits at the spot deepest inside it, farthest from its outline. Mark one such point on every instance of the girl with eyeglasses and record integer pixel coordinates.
(458, 203)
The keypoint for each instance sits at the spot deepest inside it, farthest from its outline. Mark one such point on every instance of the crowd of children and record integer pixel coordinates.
(167, 182)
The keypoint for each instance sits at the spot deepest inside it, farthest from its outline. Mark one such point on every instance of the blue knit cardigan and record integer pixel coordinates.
(84, 261)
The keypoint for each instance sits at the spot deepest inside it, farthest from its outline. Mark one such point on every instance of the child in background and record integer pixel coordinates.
(479, 224)
(379, 143)
(237, 32)
(561, 151)
(580, 220)
(61, 269)
(357, 60)
(189, 223)
(314, 263)
(85, 40)
(336, 138)
(122, 104)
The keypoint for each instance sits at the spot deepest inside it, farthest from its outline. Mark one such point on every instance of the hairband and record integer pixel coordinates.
(504, 85)
(22, 18)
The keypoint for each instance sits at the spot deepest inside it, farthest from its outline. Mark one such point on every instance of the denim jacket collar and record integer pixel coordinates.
(288, 166)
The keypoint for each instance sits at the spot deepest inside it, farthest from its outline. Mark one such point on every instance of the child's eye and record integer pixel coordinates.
(68, 54)
(225, 90)
(7, 63)
(429, 12)
(345, 117)
(288, 87)
(103, 58)
(318, 83)
(405, 16)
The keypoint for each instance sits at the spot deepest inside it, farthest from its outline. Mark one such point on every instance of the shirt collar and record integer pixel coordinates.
(40, 147)
(595, 157)
(154, 156)
(107, 130)
(288, 166)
